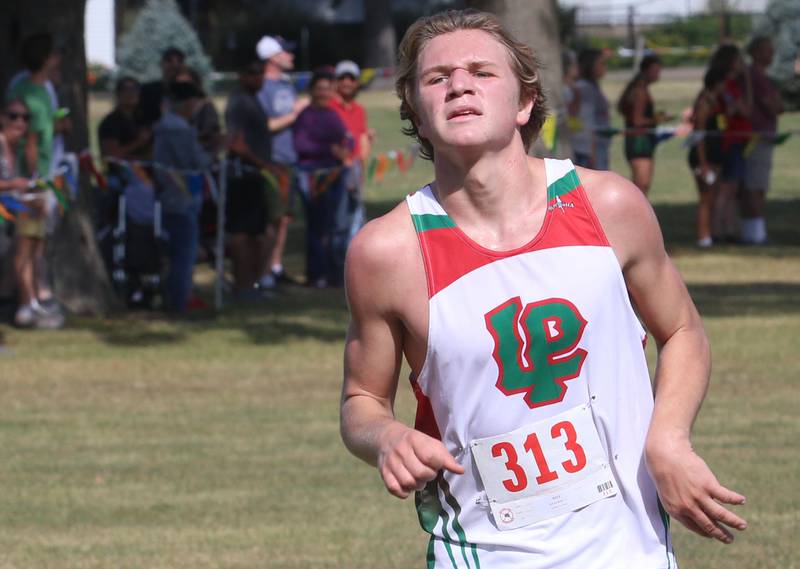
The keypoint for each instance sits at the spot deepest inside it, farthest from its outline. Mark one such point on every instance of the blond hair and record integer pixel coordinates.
(523, 63)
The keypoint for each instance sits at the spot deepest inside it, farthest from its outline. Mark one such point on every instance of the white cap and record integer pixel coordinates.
(347, 67)
(268, 47)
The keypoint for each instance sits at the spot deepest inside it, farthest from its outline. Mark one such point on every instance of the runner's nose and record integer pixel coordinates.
(461, 82)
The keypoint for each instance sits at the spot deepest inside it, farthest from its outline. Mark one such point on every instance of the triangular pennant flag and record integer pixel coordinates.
(607, 132)
(751, 145)
(139, 171)
(5, 214)
(664, 133)
(63, 204)
(781, 138)
(549, 132)
(383, 165)
(373, 163)
(11, 203)
(401, 162)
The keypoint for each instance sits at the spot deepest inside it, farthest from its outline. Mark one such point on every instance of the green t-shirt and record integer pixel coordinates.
(42, 120)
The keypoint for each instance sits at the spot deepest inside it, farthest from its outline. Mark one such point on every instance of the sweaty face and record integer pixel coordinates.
(467, 96)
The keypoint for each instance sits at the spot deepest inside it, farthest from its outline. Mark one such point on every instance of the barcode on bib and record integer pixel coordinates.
(604, 486)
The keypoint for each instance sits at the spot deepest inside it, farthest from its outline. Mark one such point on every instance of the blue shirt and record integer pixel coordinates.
(277, 98)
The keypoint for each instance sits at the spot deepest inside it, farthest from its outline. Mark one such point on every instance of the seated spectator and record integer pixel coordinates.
(30, 226)
(323, 144)
(124, 137)
(177, 147)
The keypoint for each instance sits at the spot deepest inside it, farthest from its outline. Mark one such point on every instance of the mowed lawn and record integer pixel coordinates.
(136, 442)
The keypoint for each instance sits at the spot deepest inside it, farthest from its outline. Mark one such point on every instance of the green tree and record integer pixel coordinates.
(781, 22)
(158, 26)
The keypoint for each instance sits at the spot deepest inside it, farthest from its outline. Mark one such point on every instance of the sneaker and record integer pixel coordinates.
(53, 321)
(267, 282)
(25, 316)
(704, 243)
(283, 278)
(50, 306)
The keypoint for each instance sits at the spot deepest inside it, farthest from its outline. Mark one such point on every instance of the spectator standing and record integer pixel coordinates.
(736, 103)
(205, 118)
(282, 106)
(767, 105)
(354, 118)
(590, 149)
(250, 150)
(30, 225)
(322, 143)
(637, 106)
(572, 101)
(176, 146)
(705, 156)
(154, 92)
(40, 60)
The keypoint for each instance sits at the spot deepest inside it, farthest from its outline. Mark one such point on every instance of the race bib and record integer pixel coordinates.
(545, 469)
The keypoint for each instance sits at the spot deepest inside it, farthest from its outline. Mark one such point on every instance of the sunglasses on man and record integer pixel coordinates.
(12, 116)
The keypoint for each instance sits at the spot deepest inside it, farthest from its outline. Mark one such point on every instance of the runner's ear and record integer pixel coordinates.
(525, 110)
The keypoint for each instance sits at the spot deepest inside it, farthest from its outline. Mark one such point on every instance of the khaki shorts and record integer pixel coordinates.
(33, 227)
(758, 167)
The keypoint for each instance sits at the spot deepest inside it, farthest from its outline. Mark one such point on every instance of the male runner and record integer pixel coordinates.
(509, 285)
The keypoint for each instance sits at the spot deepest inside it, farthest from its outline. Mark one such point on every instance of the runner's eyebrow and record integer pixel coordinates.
(471, 66)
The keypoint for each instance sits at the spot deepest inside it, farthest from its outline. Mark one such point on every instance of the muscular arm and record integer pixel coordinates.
(688, 489)
(406, 458)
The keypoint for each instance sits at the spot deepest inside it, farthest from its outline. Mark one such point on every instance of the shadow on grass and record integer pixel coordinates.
(300, 313)
(296, 313)
(677, 223)
(743, 299)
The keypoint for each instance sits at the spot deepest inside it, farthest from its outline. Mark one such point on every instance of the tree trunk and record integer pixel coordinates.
(379, 37)
(536, 23)
(80, 279)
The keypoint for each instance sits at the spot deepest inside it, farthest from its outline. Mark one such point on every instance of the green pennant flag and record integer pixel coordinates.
(781, 138)
(373, 163)
(608, 132)
(60, 197)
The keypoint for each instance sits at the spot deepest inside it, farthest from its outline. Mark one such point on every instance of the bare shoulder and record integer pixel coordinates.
(382, 257)
(625, 214)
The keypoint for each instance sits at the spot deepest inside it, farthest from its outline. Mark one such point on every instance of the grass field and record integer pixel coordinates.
(136, 442)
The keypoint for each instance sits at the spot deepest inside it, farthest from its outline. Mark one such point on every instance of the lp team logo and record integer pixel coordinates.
(563, 206)
(540, 364)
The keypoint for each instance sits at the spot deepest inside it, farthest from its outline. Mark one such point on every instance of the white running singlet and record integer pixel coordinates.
(535, 379)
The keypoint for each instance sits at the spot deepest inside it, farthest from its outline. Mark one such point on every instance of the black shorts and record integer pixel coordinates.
(640, 146)
(246, 204)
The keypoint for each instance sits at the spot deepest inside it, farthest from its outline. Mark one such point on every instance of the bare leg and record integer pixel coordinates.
(642, 173)
(24, 261)
(281, 232)
(242, 262)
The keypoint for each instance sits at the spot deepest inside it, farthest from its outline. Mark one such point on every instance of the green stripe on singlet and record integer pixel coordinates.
(430, 511)
(462, 537)
(665, 521)
(563, 185)
(426, 221)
